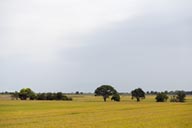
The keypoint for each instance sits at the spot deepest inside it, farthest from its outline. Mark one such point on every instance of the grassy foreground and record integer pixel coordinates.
(92, 112)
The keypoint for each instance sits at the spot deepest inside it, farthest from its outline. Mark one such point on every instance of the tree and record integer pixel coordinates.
(138, 93)
(105, 91)
(26, 93)
(181, 96)
(116, 97)
(161, 97)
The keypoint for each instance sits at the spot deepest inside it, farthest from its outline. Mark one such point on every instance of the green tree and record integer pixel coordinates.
(26, 93)
(161, 97)
(105, 91)
(138, 93)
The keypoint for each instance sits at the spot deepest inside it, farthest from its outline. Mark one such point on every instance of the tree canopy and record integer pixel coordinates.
(138, 93)
(105, 91)
(26, 93)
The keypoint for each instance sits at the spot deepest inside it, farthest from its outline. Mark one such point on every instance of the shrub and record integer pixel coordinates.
(161, 97)
(116, 97)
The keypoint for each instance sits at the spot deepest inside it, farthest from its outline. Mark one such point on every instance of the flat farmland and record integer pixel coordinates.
(86, 111)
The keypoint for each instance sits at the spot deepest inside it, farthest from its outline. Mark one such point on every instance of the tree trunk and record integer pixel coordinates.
(104, 98)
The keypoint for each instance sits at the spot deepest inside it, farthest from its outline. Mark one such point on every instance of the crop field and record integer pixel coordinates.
(86, 111)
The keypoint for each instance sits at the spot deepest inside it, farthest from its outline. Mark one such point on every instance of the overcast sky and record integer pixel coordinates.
(78, 45)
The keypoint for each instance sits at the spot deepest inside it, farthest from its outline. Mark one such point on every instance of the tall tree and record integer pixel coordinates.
(105, 91)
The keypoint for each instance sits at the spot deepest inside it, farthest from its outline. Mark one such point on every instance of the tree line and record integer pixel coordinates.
(27, 93)
(105, 91)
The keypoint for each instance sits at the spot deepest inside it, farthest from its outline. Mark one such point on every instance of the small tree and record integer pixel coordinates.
(161, 97)
(138, 93)
(105, 91)
(116, 97)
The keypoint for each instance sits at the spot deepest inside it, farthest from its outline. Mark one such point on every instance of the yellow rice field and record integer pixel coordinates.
(87, 111)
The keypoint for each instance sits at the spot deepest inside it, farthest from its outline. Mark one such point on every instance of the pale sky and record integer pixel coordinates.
(78, 45)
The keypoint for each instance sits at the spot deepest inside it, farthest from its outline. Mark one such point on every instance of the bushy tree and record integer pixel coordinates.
(161, 97)
(138, 93)
(116, 97)
(105, 91)
(26, 93)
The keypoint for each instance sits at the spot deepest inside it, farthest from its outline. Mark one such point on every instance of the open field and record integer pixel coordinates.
(91, 112)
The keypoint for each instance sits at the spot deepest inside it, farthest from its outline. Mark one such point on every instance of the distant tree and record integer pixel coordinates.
(77, 92)
(105, 91)
(26, 93)
(161, 97)
(116, 97)
(180, 96)
(138, 93)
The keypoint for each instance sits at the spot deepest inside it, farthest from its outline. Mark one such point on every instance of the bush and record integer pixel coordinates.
(161, 97)
(115, 97)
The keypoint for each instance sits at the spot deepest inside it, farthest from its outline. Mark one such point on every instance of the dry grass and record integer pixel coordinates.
(92, 112)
